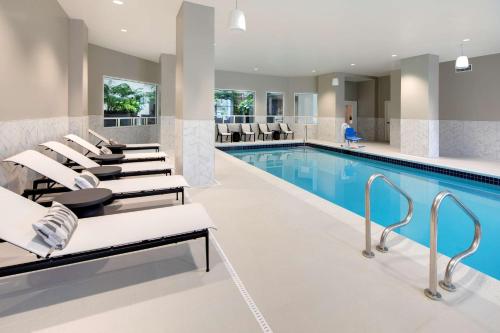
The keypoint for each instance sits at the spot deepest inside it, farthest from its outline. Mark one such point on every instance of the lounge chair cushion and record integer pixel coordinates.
(105, 151)
(96, 151)
(285, 129)
(264, 129)
(131, 185)
(57, 226)
(246, 129)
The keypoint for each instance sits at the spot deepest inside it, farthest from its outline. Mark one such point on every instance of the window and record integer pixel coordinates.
(129, 103)
(306, 108)
(236, 106)
(274, 107)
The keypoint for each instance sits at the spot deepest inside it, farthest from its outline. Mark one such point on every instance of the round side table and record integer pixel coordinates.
(106, 172)
(87, 202)
(109, 158)
(116, 148)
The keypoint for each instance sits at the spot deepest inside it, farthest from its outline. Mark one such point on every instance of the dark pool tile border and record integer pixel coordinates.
(249, 147)
(419, 166)
(414, 165)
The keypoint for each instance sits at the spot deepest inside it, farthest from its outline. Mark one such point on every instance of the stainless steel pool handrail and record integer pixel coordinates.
(446, 283)
(367, 252)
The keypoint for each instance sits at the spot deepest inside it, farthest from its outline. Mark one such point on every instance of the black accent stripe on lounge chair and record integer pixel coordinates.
(129, 160)
(139, 194)
(69, 259)
(145, 147)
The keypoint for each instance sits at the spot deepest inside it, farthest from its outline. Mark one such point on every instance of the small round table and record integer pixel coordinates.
(276, 135)
(105, 172)
(116, 148)
(87, 202)
(109, 158)
(236, 136)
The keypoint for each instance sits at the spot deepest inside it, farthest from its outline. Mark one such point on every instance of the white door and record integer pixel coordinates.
(387, 121)
(354, 107)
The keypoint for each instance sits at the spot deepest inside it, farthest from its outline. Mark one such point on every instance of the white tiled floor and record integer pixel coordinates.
(300, 258)
(298, 255)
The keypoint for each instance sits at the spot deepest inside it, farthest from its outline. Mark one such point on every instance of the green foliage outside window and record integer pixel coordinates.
(243, 102)
(120, 98)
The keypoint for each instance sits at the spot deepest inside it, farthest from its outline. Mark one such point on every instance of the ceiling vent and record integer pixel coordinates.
(466, 69)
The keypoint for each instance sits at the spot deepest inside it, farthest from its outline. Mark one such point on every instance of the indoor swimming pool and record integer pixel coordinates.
(341, 179)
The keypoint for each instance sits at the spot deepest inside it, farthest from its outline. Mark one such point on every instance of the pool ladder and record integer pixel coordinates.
(367, 252)
(446, 283)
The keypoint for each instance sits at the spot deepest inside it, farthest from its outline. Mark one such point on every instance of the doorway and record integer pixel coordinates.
(351, 114)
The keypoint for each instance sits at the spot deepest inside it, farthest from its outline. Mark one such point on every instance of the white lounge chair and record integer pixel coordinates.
(246, 130)
(121, 188)
(137, 157)
(264, 131)
(127, 169)
(285, 130)
(223, 132)
(128, 146)
(98, 237)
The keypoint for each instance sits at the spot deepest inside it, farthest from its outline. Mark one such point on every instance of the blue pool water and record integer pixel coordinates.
(341, 179)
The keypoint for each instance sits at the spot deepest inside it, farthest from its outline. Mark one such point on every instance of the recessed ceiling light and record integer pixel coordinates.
(466, 40)
(123, 30)
(256, 69)
(118, 2)
(394, 55)
(353, 64)
(314, 71)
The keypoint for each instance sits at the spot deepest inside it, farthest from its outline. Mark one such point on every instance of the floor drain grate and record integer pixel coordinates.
(243, 291)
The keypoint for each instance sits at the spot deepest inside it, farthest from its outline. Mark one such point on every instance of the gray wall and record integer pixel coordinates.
(33, 59)
(262, 84)
(78, 97)
(351, 91)
(383, 94)
(366, 98)
(34, 53)
(472, 95)
(420, 87)
(107, 62)
(395, 104)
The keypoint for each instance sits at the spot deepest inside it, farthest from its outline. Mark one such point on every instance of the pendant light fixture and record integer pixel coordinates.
(237, 21)
(462, 61)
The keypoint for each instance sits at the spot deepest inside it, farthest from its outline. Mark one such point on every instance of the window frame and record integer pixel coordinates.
(239, 91)
(296, 116)
(284, 105)
(158, 103)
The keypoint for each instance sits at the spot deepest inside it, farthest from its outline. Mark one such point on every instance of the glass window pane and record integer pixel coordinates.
(236, 106)
(274, 107)
(306, 108)
(129, 103)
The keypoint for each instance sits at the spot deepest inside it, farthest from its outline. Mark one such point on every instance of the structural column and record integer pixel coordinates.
(194, 123)
(78, 78)
(167, 100)
(331, 107)
(420, 106)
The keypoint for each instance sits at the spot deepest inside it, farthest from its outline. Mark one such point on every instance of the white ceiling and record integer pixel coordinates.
(294, 37)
